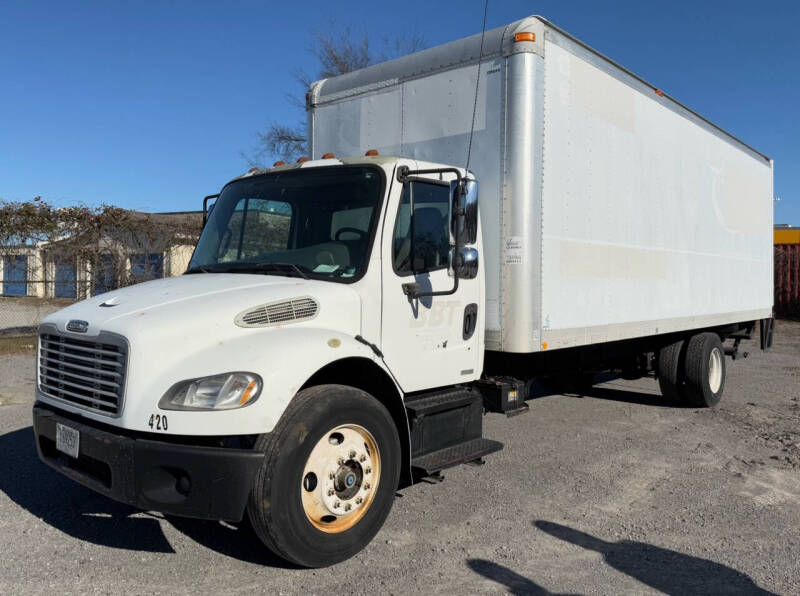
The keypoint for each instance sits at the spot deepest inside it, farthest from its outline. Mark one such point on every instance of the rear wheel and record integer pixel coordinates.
(329, 477)
(705, 370)
(671, 375)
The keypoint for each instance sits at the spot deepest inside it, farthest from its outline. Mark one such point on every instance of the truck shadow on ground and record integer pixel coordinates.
(625, 395)
(86, 515)
(662, 569)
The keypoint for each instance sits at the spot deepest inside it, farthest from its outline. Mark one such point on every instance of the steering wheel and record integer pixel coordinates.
(361, 233)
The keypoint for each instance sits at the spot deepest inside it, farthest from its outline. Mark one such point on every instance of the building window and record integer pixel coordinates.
(146, 266)
(105, 274)
(15, 275)
(65, 280)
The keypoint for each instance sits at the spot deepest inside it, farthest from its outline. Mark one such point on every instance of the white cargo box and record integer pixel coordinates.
(609, 210)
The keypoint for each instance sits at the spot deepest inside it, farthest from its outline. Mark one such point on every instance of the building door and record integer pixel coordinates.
(15, 275)
(65, 280)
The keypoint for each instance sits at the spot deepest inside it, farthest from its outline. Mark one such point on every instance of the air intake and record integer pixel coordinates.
(278, 313)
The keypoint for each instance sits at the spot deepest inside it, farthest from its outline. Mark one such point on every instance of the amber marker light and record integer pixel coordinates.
(524, 36)
(328, 156)
(248, 393)
(371, 153)
(279, 163)
(302, 159)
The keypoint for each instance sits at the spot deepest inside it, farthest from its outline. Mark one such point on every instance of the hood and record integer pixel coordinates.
(202, 300)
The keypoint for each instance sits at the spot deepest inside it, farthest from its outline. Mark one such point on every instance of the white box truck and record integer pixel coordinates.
(346, 321)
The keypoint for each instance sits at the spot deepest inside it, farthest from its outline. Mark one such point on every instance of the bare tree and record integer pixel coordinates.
(336, 54)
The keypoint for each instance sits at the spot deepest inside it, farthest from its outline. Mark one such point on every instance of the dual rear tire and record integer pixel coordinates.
(692, 372)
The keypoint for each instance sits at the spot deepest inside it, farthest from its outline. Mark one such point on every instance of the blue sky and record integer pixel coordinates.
(149, 105)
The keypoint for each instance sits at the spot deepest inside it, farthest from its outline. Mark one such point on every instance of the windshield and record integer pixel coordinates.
(315, 222)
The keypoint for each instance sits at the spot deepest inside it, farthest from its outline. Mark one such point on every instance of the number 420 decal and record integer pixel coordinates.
(157, 422)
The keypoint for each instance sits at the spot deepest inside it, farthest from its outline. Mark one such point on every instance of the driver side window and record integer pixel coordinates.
(422, 242)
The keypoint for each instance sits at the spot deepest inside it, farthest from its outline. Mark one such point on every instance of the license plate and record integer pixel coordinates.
(67, 440)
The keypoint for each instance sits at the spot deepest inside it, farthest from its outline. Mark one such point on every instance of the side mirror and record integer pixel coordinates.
(464, 213)
(464, 264)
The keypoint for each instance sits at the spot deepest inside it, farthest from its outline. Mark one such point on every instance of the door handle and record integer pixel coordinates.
(470, 320)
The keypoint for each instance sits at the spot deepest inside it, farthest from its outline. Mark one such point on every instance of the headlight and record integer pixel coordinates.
(220, 392)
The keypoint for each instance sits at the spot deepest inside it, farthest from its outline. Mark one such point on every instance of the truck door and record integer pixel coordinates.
(430, 341)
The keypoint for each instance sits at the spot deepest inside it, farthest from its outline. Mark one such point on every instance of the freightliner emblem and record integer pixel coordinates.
(78, 326)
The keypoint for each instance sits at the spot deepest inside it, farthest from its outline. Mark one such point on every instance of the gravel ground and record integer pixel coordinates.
(607, 493)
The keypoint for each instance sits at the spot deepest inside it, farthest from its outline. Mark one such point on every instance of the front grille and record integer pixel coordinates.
(86, 373)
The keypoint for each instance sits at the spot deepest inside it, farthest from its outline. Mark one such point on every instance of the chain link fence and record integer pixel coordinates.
(23, 315)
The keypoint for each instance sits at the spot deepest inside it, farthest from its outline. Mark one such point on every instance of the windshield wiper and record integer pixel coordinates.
(284, 268)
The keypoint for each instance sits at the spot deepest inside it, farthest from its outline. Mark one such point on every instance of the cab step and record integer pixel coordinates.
(454, 455)
(447, 429)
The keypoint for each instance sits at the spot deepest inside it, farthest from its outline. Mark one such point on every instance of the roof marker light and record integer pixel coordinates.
(252, 170)
(280, 162)
(659, 92)
(524, 36)
(371, 153)
(302, 159)
(328, 156)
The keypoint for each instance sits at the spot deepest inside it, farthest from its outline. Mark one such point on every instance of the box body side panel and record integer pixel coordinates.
(651, 223)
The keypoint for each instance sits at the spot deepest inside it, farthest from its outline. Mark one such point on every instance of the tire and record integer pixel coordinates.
(292, 490)
(671, 376)
(705, 370)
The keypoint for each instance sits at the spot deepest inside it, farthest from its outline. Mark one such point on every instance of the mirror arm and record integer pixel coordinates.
(411, 289)
(205, 207)
(404, 173)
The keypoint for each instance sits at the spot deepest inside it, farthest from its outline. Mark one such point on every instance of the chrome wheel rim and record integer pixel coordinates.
(715, 370)
(340, 478)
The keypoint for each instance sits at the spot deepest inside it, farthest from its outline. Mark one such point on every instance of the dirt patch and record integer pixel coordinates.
(17, 343)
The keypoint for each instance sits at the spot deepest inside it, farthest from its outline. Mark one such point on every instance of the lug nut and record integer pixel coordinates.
(336, 505)
(352, 454)
(331, 476)
(366, 486)
(330, 492)
(359, 500)
(368, 470)
(362, 458)
(347, 507)
(340, 461)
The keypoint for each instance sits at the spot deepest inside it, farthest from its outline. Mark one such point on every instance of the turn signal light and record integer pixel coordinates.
(279, 163)
(371, 152)
(524, 36)
(302, 159)
(327, 156)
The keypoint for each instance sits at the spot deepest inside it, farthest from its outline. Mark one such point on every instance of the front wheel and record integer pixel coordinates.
(329, 477)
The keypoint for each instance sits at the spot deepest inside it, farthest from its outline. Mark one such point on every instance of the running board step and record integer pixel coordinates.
(454, 455)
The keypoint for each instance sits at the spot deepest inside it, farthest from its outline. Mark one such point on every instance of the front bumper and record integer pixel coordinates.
(173, 478)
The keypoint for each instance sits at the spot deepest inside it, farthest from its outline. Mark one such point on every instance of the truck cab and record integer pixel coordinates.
(294, 370)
